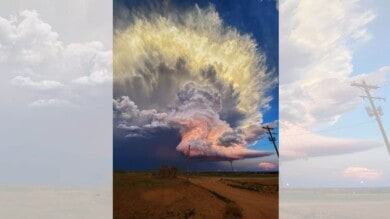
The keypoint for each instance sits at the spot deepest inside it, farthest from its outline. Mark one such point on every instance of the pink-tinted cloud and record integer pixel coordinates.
(195, 114)
(267, 166)
(299, 143)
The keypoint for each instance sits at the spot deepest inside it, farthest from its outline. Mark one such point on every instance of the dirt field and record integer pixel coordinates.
(258, 197)
(141, 195)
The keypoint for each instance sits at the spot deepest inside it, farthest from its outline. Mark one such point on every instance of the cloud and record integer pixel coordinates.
(299, 143)
(195, 116)
(362, 173)
(163, 59)
(27, 82)
(127, 112)
(230, 139)
(124, 108)
(317, 60)
(210, 92)
(99, 70)
(316, 72)
(254, 133)
(268, 166)
(34, 58)
(51, 103)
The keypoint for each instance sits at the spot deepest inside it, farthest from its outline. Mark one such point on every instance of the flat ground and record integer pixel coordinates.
(257, 197)
(142, 195)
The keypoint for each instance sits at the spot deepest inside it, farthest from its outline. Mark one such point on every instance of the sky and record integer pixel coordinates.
(55, 93)
(198, 73)
(327, 138)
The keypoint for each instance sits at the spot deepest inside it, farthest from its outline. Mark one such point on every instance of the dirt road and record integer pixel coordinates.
(254, 204)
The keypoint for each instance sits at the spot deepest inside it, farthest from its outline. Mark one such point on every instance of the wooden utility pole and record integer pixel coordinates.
(374, 111)
(271, 138)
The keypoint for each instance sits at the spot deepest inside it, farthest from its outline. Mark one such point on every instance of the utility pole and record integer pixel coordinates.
(188, 161)
(374, 111)
(271, 138)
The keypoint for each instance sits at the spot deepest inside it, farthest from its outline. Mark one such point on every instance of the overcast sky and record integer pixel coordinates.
(55, 92)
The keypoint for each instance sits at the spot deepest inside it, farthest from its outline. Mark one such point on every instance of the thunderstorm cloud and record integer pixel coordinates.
(187, 72)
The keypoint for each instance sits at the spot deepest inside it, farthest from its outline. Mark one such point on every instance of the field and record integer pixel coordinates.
(203, 195)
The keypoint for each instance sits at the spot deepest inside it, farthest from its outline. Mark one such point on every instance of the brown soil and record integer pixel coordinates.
(255, 204)
(138, 195)
(141, 195)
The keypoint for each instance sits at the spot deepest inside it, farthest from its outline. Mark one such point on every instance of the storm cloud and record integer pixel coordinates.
(209, 93)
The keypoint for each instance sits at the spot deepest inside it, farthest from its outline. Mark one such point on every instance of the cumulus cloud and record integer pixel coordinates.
(210, 92)
(124, 108)
(228, 139)
(35, 58)
(127, 112)
(316, 74)
(362, 173)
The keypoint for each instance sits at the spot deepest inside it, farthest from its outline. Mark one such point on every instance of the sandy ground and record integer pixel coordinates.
(54, 202)
(254, 204)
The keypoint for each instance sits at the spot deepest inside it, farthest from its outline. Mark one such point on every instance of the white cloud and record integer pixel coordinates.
(27, 82)
(51, 103)
(316, 72)
(316, 59)
(34, 57)
(362, 173)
